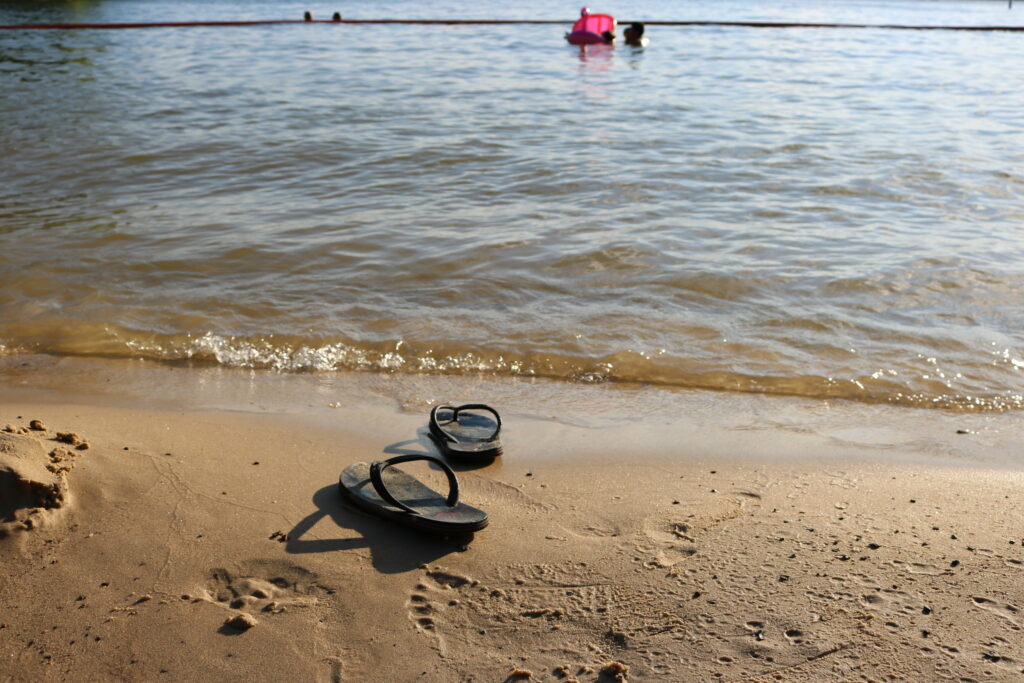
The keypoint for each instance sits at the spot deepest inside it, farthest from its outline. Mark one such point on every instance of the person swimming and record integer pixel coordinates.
(634, 35)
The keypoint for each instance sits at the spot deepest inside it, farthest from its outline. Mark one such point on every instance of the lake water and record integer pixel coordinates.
(810, 212)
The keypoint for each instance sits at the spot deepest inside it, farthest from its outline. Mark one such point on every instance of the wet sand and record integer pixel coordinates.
(200, 544)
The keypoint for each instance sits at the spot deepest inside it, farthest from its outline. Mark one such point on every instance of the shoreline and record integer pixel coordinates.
(662, 418)
(747, 539)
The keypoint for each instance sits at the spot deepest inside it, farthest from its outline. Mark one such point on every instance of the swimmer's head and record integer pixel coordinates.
(634, 33)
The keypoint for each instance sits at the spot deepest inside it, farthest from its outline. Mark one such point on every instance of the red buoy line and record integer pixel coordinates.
(454, 22)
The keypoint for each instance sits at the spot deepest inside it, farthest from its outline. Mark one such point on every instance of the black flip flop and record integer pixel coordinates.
(466, 434)
(391, 493)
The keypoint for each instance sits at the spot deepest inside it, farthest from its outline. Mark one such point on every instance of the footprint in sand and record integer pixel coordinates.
(670, 543)
(498, 494)
(1006, 611)
(919, 568)
(674, 537)
(560, 612)
(433, 595)
(264, 587)
(421, 611)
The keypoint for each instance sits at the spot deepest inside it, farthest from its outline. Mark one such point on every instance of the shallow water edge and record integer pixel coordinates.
(671, 423)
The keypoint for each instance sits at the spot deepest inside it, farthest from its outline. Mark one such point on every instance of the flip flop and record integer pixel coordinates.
(391, 493)
(466, 435)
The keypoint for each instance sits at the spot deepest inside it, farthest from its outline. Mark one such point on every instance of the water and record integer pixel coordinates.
(811, 212)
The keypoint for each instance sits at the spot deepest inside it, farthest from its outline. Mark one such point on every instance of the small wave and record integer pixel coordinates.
(297, 355)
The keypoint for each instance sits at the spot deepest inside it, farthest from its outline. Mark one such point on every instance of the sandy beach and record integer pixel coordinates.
(145, 541)
(749, 301)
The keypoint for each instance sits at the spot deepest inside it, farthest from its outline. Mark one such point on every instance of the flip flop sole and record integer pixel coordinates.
(433, 513)
(467, 450)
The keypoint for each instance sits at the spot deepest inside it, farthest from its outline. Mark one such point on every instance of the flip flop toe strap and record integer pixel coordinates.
(435, 424)
(377, 468)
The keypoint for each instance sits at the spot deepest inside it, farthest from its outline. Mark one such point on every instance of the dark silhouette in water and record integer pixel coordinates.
(307, 16)
(634, 35)
(336, 17)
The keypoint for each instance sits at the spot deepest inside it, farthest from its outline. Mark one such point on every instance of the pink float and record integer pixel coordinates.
(589, 29)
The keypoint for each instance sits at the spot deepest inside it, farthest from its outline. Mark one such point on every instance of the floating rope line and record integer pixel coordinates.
(776, 24)
(157, 24)
(458, 22)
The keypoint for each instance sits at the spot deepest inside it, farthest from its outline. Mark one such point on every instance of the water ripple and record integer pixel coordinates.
(830, 214)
